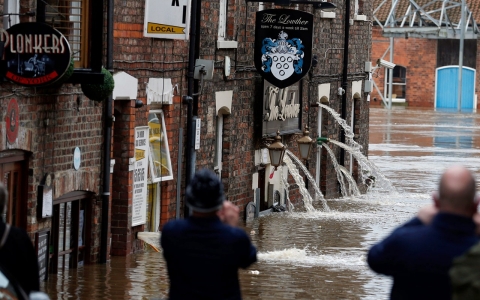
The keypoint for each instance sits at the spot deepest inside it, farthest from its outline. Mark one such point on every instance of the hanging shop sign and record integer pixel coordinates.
(12, 119)
(140, 173)
(167, 19)
(283, 45)
(35, 54)
(160, 162)
(282, 109)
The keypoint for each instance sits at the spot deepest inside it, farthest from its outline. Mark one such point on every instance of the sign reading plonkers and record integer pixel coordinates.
(283, 45)
(36, 54)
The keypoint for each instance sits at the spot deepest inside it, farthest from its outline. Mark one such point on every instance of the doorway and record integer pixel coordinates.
(70, 240)
(14, 175)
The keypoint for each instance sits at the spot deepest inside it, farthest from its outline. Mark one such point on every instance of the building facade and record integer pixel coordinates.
(88, 175)
(417, 79)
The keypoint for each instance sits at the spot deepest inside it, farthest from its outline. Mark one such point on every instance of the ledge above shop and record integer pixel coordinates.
(86, 76)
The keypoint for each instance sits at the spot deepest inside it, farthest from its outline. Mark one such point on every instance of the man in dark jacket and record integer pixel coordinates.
(419, 254)
(17, 254)
(204, 251)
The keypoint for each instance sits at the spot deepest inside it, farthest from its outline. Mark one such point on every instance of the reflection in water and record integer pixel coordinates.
(317, 254)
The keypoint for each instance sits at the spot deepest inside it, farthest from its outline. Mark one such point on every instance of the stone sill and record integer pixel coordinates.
(227, 44)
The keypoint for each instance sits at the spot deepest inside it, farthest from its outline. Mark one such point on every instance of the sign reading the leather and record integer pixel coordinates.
(283, 45)
(36, 54)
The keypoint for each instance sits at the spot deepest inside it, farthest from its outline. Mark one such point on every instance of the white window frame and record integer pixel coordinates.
(153, 170)
(222, 20)
(219, 145)
(11, 7)
(396, 99)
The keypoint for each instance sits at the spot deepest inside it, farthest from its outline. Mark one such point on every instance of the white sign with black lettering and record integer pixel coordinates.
(140, 172)
(198, 126)
(167, 19)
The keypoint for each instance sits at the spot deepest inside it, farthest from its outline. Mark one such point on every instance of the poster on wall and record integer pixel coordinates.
(283, 45)
(140, 173)
(160, 162)
(167, 19)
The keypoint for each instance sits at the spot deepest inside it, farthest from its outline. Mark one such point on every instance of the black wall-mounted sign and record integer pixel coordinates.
(283, 45)
(42, 245)
(35, 54)
(282, 109)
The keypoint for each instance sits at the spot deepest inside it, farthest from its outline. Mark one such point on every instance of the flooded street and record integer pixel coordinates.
(317, 255)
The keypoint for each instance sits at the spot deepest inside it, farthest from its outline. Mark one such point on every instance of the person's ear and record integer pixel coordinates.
(436, 199)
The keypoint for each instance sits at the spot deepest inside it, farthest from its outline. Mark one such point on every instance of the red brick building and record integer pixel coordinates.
(119, 169)
(418, 59)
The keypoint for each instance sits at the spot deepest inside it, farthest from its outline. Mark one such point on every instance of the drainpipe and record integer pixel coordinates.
(189, 100)
(107, 139)
(345, 77)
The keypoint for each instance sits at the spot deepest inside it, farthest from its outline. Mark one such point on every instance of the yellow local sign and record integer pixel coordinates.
(167, 19)
(139, 154)
(164, 29)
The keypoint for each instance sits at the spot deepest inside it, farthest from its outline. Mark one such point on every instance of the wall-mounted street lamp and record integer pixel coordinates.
(325, 6)
(305, 144)
(276, 151)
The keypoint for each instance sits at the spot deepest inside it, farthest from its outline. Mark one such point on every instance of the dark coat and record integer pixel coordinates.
(203, 256)
(19, 258)
(419, 257)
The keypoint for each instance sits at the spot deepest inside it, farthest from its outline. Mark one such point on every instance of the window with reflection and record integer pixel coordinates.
(160, 163)
(70, 17)
(399, 82)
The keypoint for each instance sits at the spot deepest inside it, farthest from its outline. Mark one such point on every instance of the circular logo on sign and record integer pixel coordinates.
(12, 121)
(36, 54)
(77, 155)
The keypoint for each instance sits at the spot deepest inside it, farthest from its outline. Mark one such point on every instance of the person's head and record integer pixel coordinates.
(205, 192)
(456, 192)
(3, 198)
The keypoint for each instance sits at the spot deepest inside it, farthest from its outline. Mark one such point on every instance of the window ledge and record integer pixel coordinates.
(227, 44)
(327, 14)
(86, 76)
(360, 18)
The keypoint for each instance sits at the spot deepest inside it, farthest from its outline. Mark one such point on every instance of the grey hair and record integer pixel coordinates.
(3, 198)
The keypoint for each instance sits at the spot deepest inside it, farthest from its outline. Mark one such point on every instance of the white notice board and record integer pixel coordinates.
(167, 19)
(139, 201)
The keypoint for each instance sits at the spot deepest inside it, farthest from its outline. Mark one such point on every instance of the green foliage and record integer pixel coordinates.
(68, 73)
(99, 92)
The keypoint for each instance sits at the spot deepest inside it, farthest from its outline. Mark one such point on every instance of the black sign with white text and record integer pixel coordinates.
(283, 45)
(35, 53)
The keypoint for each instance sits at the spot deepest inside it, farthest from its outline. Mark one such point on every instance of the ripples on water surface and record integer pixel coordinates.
(317, 255)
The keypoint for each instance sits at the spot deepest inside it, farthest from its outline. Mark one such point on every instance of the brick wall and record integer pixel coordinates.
(146, 58)
(419, 56)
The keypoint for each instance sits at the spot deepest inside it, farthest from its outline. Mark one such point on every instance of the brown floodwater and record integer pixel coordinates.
(316, 255)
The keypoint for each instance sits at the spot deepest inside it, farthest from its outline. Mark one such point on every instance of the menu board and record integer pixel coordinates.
(42, 247)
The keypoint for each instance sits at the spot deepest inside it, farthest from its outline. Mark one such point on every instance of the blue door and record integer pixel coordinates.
(446, 92)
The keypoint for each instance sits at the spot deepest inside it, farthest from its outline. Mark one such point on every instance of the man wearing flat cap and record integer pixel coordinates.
(204, 251)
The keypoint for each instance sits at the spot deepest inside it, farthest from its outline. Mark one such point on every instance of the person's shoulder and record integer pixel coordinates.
(174, 225)
(18, 233)
(237, 232)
